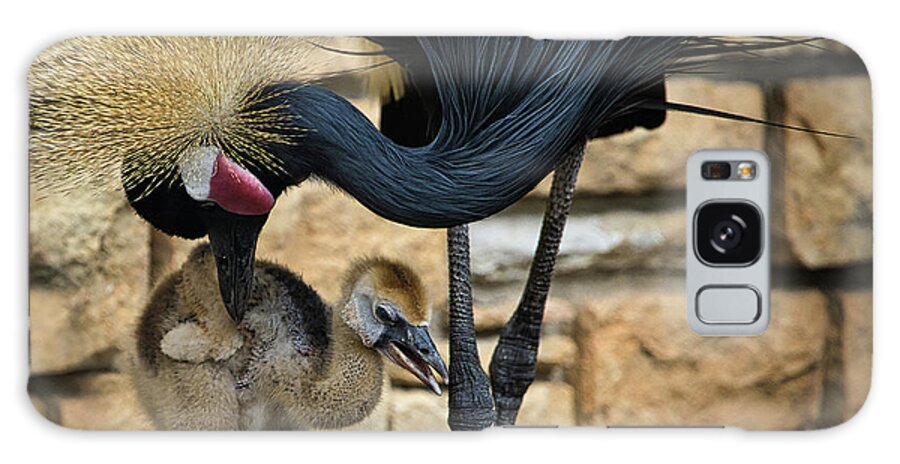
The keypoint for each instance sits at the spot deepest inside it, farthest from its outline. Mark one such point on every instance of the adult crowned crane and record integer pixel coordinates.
(205, 133)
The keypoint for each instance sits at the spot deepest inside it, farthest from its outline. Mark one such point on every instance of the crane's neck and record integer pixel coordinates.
(452, 181)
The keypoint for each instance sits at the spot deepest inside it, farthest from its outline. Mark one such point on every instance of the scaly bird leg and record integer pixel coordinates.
(515, 357)
(471, 405)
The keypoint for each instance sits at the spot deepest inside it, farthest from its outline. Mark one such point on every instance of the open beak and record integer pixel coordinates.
(411, 347)
(233, 239)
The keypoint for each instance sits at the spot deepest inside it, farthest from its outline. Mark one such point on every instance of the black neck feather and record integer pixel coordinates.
(511, 108)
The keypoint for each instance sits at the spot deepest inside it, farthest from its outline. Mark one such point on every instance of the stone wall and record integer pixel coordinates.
(616, 348)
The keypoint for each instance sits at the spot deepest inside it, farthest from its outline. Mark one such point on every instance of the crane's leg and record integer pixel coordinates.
(471, 406)
(515, 357)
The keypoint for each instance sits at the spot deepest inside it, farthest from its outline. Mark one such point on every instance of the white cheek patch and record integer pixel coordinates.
(197, 169)
(358, 315)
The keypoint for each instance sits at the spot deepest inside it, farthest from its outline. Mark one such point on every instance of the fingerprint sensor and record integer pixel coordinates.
(720, 304)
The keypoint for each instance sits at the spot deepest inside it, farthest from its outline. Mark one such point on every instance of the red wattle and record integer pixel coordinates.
(237, 191)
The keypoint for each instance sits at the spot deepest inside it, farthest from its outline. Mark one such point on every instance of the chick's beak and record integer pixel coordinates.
(411, 347)
(233, 240)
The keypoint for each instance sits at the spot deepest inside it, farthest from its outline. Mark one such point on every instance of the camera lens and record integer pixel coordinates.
(728, 233)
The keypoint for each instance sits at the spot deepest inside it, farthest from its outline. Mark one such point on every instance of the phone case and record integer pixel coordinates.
(145, 149)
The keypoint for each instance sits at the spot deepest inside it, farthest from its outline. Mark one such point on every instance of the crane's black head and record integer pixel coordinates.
(214, 196)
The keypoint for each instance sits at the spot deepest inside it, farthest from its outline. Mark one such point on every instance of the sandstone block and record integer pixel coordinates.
(828, 184)
(98, 401)
(640, 364)
(857, 349)
(503, 246)
(418, 410)
(89, 266)
(548, 403)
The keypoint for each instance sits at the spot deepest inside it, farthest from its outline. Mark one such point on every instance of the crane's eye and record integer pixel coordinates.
(385, 312)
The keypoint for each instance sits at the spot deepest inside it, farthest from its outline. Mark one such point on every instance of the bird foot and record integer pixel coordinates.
(471, 406)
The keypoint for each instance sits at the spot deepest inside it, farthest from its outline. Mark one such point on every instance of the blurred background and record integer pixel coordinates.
(616, 348)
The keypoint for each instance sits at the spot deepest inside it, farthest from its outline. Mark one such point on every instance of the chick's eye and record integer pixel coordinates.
(385, 313)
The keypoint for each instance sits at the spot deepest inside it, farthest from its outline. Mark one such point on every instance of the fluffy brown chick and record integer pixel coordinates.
(293, 362)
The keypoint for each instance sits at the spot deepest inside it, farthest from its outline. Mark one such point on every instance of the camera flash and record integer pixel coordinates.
(746, 170)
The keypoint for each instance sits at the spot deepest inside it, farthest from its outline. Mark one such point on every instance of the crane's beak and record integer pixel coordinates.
(233, 239)
(411, 347)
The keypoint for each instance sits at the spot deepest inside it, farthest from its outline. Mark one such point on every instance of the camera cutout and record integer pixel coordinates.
(728, 170)
(727, 255)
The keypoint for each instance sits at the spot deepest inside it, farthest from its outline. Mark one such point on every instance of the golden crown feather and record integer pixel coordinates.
(107, 112)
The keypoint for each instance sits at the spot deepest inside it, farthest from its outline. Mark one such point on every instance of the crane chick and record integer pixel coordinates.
(293, 362)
